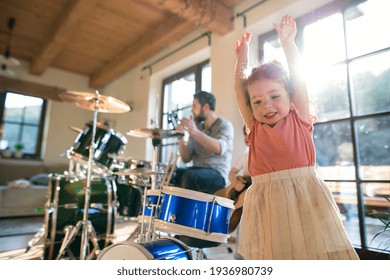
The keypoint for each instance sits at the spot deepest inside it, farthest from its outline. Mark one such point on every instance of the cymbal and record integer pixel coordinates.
(76, 129)
(154, 133)
(138, 172)
(95, 102)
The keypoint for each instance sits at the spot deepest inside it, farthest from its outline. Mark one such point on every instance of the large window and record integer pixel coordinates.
(21, 125)
(178, 91)
(346, 48)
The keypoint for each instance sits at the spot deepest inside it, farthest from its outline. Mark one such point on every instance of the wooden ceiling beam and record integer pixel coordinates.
(30, 88)
(66, 26)
(163, 36)
(210, 14)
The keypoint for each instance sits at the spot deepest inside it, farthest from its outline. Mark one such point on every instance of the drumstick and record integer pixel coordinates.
(172, 169)
(166, 171)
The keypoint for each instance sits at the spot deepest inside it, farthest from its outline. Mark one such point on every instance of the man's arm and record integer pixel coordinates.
(211, 144)
(184, 153)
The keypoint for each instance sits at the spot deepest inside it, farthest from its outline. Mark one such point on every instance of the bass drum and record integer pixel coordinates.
(65, 209)
(129, 200)
(166, 248)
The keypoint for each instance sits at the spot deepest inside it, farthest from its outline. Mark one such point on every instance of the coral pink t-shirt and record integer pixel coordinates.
(289, 144)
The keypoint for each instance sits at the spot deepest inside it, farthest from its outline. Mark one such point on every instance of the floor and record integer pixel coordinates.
(30, 246)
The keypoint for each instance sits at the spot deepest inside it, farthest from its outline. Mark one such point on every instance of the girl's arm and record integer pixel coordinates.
(287, 30)
(244, 106)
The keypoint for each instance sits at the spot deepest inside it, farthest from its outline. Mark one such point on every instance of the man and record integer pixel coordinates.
(209, 147)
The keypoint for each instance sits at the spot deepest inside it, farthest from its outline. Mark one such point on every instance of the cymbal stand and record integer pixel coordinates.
(85, 224)
(156, 141)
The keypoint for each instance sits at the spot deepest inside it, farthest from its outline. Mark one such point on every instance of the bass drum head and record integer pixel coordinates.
(162, 249)
(125, 251)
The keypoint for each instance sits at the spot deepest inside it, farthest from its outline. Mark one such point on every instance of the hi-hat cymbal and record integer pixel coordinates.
(138, 172)
(154, 133)
(95, 102)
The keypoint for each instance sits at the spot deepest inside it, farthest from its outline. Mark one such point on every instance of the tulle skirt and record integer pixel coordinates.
(291, 215)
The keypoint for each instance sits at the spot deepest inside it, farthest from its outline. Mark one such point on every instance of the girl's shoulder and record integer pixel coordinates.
(313, 114)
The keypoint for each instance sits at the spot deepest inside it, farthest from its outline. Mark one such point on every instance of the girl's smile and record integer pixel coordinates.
(270, 101)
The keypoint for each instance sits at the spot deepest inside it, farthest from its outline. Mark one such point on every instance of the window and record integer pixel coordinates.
(347, 59)
(178, 91)
(21, 123)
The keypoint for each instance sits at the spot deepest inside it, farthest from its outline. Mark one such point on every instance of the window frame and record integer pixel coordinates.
(197, 71)
(38, 148)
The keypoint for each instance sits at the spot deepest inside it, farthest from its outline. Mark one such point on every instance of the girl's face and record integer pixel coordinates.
(269, 100)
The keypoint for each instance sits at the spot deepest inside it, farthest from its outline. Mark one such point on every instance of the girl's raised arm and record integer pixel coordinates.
(245, 108)
(287, 31)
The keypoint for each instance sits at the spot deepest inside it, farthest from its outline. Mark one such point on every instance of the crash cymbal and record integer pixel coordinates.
(95, 102)
(138, 172)
(154, 133)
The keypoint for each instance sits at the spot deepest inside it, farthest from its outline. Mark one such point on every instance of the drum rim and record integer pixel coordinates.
(119, 135)
(149, 256)
(165, 226)
(153, 192)
(138, 246)
(194, 195)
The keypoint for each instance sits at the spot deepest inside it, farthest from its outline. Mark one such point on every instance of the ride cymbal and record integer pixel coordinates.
(138, 172)
(154, 133)
(95, 102)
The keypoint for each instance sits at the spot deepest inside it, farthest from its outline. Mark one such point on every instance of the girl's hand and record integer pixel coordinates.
(242, 47)
(287, 29)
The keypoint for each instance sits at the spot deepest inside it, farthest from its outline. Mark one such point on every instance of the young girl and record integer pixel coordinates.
(289, 212)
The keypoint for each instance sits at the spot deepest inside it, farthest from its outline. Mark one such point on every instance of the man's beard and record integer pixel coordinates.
(200, 118)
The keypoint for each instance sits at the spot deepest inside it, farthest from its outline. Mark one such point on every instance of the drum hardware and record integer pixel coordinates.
(36, 239)
(156, 135)
(70, 206)
(96, 103)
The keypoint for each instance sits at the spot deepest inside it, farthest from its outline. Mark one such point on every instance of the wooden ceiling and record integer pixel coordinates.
(103, 39)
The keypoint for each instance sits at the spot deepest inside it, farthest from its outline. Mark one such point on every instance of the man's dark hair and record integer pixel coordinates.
(205, 97)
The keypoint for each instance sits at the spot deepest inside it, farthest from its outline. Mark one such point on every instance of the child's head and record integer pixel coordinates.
(269, 91)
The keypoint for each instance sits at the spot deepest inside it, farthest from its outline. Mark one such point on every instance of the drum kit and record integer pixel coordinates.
(82, 203)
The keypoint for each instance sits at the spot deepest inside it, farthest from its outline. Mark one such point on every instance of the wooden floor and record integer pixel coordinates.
(31, 246)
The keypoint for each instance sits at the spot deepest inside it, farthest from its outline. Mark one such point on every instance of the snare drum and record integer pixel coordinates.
(195, 214)
(109, 144)
(67, 199)
(162, 249)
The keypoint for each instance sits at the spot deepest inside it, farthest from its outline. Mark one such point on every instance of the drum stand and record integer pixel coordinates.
(85, 225)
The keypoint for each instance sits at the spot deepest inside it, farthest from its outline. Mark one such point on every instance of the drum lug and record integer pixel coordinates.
(96, 205)
(173, 218)
(70, 206)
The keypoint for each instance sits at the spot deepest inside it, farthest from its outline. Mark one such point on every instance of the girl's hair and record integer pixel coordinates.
(269, 71)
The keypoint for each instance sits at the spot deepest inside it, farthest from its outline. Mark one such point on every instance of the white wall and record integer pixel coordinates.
(143, 90)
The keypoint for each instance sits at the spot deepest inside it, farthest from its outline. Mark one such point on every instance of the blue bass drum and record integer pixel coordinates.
(166, 248)
(194, 214)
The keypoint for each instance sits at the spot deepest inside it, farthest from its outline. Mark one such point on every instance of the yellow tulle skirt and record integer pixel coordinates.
(291, 215)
